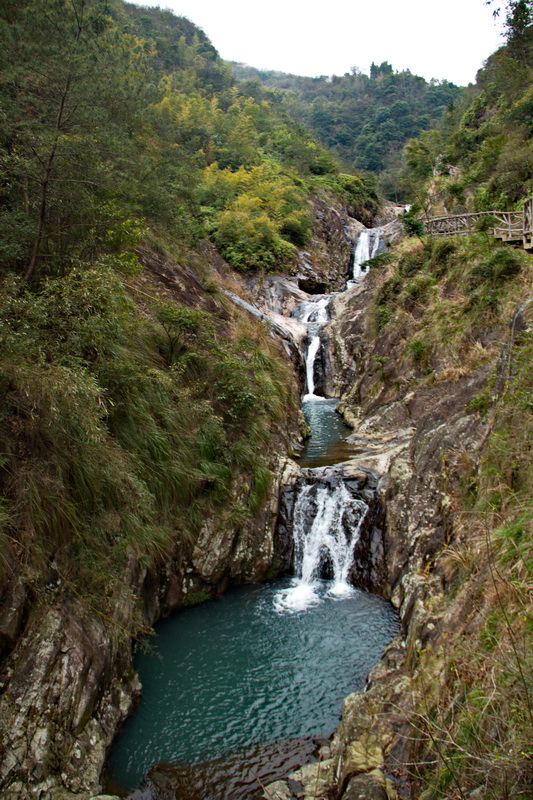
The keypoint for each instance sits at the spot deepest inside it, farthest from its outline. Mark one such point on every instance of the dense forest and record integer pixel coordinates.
(124, 132)
(115, 114)
(365, 119)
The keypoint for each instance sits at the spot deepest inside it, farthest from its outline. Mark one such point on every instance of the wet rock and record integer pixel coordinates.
(105, 797)
(324, 265)
(310, 782)
(53, 710)
(278, 790)
(371, 786)
(523, 318)
(316, 779)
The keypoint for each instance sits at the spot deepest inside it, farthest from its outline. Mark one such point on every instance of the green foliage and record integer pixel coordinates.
(496, 268)
(261, 482)
(196, 598)
(258, 215)
(357, 191)
(412, 226)
(109, 449)
(482, 154)
(182, 326)
(388, 291)
(420, 352)
(364, 119)
(439, 253)
(486, 278)
(383, 314)
(379, 261)
(70, 95)
(411, 263)
(420, 154)
(481, 403)
(486, 224)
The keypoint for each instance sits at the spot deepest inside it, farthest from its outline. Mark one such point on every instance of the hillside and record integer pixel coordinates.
(480, 156)
(143, 414)
(160, 221)
(365, 119)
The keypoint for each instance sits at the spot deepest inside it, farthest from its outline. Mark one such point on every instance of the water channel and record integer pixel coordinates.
(241, 690)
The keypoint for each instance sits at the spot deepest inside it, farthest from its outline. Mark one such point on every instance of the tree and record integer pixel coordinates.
(518, 18)
(70, 92)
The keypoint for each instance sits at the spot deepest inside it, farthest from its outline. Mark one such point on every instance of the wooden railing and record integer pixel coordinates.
(527, 212)
(511, 226)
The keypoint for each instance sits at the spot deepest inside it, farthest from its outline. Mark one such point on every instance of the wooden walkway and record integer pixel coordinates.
(511, 226)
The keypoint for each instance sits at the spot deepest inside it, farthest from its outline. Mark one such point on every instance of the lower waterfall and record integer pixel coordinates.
(326, 523)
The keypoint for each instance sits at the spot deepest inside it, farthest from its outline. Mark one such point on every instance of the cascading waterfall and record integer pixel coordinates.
(327, 520)
(367, 246)
(314, 315)
(227, 679)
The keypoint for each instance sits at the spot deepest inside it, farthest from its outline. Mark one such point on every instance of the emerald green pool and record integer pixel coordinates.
(226, 679)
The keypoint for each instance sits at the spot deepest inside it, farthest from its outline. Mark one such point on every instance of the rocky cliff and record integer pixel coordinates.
(66, 680)
(424, 413)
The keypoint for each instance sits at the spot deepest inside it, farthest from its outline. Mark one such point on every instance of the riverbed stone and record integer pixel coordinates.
(316, 779)
(105, 797)
(369, 786)
(363, 755)
(278, 790)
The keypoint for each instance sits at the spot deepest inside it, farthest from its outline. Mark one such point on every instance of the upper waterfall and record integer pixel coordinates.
(369, 244)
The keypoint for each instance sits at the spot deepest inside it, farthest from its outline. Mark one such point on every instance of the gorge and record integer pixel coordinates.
(185, 296)
(259, 666)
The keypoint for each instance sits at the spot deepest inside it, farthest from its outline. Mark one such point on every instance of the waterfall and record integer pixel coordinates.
(312, 351)
(326, 523)
(314, 315)
(368, 245)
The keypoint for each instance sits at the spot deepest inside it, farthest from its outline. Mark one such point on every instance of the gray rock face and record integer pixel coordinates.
(367, 787)
(61, 703)
(12, 614)
(67, 685)
(324, 265)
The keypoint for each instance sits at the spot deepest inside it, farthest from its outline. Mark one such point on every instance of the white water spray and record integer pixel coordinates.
(314, 315)
(326, 525)
(366, 247)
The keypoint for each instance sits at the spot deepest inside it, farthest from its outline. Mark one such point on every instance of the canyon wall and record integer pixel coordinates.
(66, 678)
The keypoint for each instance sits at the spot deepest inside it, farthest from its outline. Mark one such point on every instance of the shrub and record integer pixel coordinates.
(410, 263)
(383, 315)
(439, 252)
(420, 352)
(496, 268)
(388, 292)
(379, 261)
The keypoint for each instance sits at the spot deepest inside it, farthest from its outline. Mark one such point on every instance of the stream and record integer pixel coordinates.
(239, 691)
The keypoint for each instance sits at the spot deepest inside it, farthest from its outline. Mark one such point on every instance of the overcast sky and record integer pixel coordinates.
(433, 38)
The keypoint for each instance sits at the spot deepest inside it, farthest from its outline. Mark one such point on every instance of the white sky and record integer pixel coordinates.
(433, 38)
